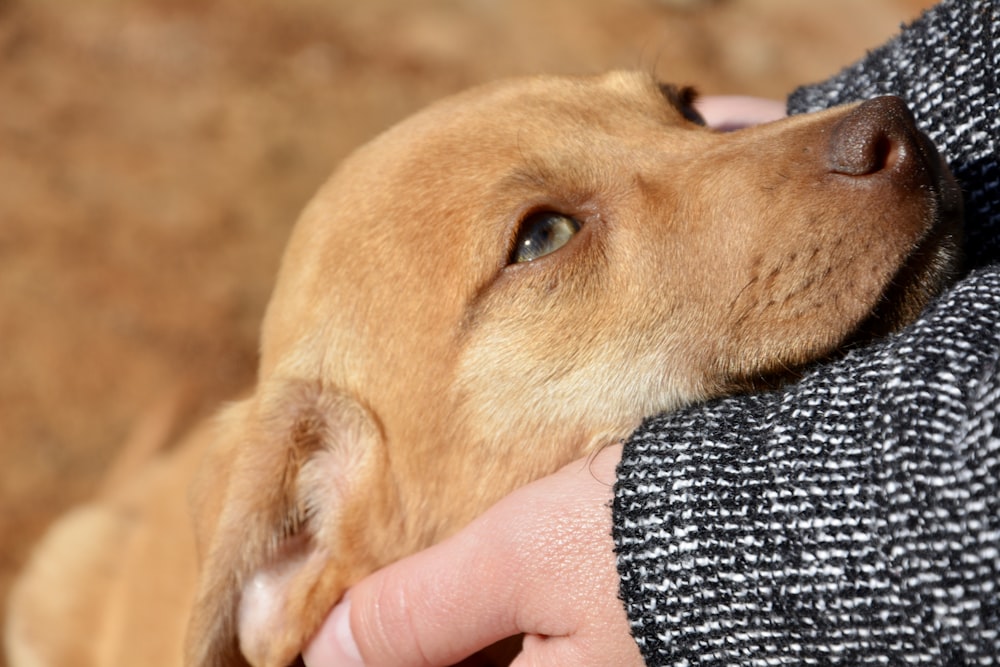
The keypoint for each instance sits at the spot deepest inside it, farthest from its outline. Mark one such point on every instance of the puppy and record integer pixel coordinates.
(493, 288)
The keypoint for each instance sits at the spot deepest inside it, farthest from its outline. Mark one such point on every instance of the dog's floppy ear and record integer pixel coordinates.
(267, 509)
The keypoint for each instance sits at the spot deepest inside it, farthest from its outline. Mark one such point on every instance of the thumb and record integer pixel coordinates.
(334, 644)
(433, 608)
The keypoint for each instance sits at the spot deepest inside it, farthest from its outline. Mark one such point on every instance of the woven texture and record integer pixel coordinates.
(854, 517)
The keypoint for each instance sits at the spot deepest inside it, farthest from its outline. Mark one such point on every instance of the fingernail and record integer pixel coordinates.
(342, 630)
(334, 645)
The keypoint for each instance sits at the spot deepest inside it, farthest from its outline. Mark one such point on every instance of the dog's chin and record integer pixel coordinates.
(932, 265)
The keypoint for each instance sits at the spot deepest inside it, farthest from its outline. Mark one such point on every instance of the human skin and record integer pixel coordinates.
(539, 563)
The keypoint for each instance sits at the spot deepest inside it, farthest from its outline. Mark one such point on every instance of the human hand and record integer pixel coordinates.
(540, 562)
(733, 112)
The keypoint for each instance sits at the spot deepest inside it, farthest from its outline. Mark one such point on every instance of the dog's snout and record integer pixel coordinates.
(878, 135)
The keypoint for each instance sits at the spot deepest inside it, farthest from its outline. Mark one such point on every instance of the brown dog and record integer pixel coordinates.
(493, 288)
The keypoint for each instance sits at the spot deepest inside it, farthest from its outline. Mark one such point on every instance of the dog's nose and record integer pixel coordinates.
(878, 135)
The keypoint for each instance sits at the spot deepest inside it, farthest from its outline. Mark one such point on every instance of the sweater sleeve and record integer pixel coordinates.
(853, 517)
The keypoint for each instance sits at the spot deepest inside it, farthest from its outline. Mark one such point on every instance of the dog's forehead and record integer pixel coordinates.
(461, 145)
(425, 202)
(546, 102)
(457, 155)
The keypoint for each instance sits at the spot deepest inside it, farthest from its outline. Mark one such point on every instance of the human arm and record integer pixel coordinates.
(852, 517)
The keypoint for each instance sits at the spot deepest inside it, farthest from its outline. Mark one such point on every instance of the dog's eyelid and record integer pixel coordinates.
(682, 98)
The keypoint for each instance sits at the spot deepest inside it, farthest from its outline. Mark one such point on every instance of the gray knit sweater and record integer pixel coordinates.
(853, 517)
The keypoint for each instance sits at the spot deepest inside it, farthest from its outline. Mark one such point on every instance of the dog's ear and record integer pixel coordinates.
(268, 508)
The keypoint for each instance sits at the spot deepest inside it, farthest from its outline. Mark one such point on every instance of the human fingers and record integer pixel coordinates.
(734, 112)
(540, 562)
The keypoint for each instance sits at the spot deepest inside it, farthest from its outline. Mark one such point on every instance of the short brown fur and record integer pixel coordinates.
(410, 377)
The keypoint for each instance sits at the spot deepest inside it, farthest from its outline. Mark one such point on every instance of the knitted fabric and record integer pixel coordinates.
(853, 517)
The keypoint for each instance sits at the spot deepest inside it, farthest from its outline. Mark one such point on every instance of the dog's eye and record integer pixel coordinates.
(543, 233)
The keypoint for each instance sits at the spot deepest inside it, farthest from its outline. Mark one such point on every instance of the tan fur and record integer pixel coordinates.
(410, 377)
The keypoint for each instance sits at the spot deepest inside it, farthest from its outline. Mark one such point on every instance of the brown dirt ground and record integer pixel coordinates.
(154, 153)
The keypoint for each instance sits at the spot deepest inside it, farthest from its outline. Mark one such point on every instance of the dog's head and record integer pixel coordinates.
(517, 275)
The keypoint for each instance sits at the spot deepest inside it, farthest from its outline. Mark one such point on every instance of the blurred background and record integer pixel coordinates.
(155, 153)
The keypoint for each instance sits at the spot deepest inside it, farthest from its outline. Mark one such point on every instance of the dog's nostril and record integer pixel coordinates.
(884, 153)
(874, 137)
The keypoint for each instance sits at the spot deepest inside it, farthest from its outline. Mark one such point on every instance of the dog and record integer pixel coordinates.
(497, 286)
